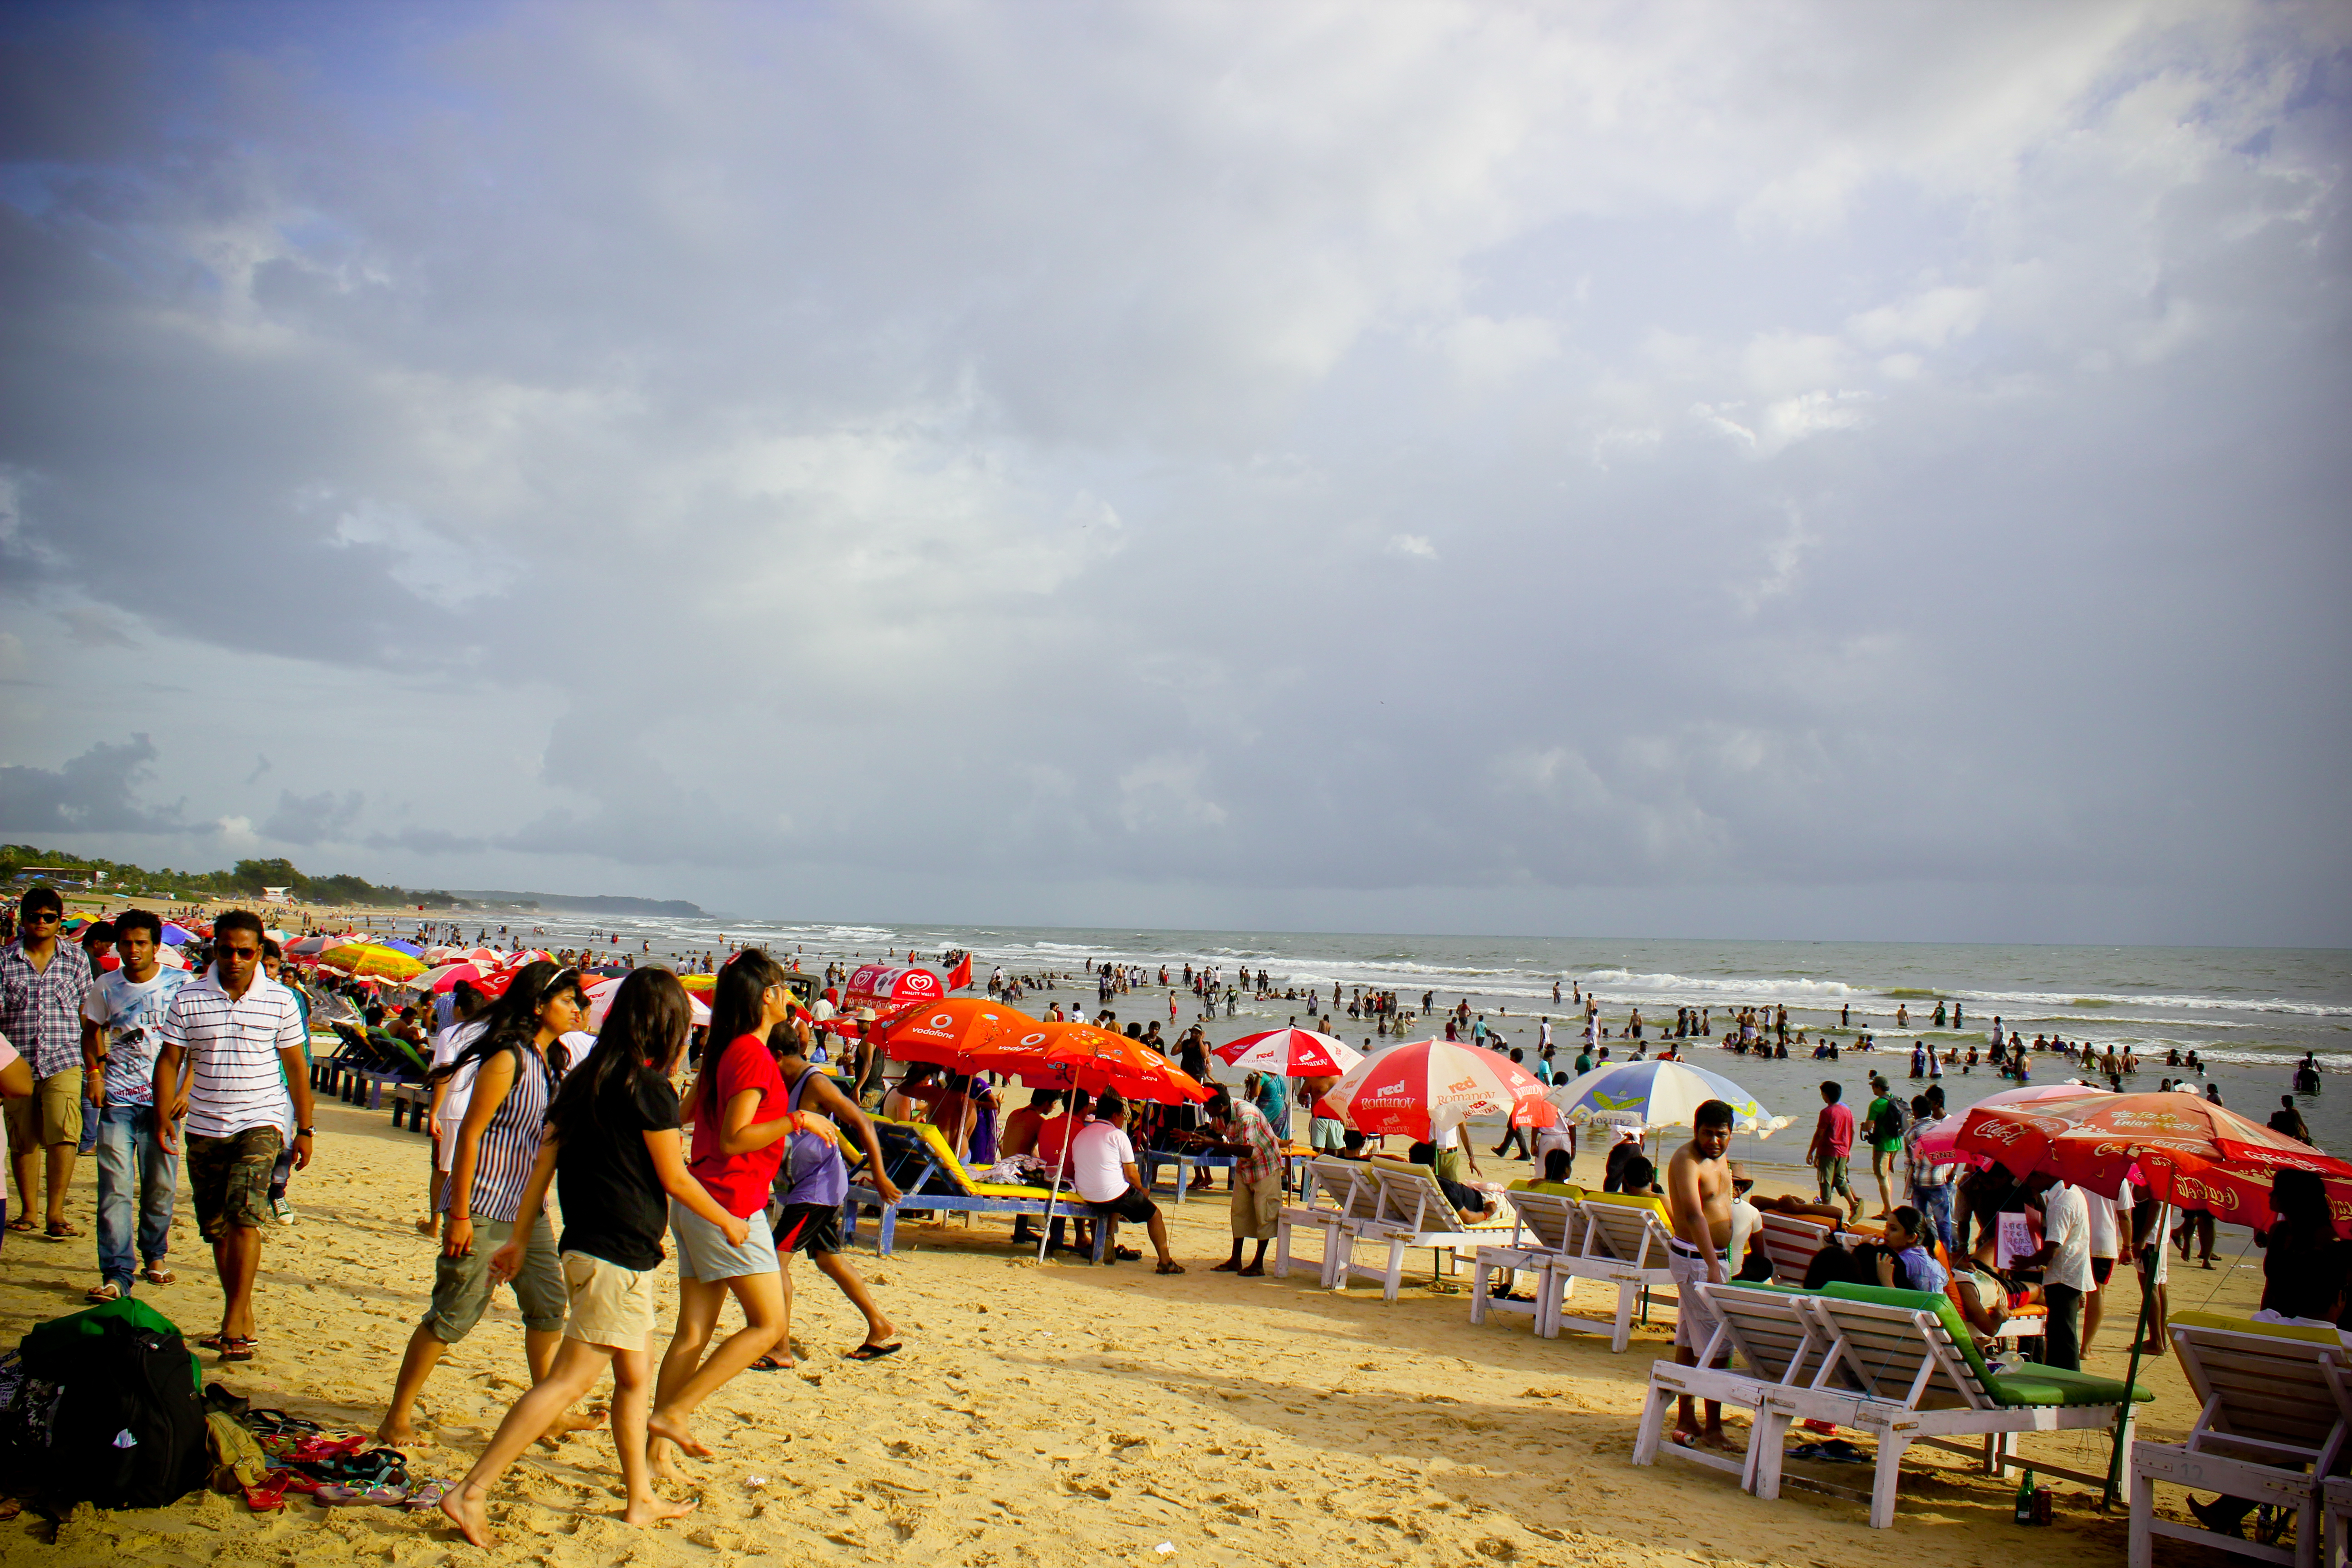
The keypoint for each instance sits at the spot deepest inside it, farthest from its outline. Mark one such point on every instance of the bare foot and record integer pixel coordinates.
(669, 1429)
(661, 1459)
(426, 1225)
(465, 1510)
(403, 1436)
(1713, 1437)
(654, 1509)
(568, 1423)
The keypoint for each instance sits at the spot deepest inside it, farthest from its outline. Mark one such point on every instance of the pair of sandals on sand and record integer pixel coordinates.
(868, 1351)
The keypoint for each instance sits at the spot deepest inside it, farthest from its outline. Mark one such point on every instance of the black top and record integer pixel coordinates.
(613, 1205)
(2304, 1276)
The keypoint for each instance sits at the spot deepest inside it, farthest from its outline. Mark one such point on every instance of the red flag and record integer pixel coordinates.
(960, 975)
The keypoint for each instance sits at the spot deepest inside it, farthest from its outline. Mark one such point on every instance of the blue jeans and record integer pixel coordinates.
(1935, 1203)
(138, 1179)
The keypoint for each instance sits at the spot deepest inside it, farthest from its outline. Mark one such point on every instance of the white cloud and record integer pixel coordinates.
(1413, 546)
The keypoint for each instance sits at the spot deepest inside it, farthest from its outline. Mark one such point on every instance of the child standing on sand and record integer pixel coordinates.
(613, 1153)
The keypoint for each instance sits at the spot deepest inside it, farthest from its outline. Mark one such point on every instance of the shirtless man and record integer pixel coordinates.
(1698, 1207)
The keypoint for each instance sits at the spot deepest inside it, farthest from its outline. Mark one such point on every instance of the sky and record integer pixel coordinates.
(1832, 471)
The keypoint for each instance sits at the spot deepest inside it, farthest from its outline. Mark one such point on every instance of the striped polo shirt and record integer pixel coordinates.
(510, 1147)
(232, 1046)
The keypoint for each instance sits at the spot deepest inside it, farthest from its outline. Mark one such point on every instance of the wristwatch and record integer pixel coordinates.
(304, 1132)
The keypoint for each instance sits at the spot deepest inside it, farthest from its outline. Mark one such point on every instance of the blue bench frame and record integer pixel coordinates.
(912, 1166)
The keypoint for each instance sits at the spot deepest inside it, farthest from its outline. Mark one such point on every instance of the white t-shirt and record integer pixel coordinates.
(130, 1014)
(2066, 1220)
(232, 1043)
(2104, 1238)
(446, 1045)
(1747, 1219)
(1097, 1152)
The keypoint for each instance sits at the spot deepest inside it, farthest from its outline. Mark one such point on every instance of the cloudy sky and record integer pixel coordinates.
(1851, 471)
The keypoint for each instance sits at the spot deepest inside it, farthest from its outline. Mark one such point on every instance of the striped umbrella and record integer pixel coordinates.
(1290, 1053)
(369, 960)
(1421, 1089)
(1646, 1095)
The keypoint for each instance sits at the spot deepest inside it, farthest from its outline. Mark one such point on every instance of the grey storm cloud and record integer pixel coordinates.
(93, 793)
(974, 451)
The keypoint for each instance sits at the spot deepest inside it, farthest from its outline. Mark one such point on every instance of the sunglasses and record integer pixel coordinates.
(33, 915)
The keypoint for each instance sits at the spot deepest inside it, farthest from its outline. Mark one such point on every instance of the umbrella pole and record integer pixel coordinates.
(2139, 1337)
(1046, 1232)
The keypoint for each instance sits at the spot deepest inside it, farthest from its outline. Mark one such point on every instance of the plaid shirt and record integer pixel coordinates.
(1261, 1155)
(40, 1009)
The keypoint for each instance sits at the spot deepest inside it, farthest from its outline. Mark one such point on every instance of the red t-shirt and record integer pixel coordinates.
(741, 1181)
(1053, 1140)
(1835, 1129)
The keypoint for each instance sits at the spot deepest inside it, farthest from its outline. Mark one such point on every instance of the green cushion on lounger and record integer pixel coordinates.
(2032, 1383)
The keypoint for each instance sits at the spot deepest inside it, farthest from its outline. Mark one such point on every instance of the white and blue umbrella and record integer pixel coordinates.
(1646, 1095)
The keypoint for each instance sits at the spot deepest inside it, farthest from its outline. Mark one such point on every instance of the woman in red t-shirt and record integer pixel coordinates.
(740, 1109)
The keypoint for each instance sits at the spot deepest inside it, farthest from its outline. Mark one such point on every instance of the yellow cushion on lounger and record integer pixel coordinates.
(1656, 1205)
(2314, 1333)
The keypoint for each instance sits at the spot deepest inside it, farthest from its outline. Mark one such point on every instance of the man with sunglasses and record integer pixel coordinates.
(232, 1052)
(42, 989)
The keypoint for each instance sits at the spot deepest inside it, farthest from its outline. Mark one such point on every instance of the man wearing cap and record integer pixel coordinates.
(43, 988)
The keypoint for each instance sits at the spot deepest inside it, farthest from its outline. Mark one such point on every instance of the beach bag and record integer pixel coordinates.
(236, 1455)
(128, 1429)
(1891, 1122)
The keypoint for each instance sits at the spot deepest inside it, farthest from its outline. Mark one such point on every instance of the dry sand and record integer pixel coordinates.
(1056, 1414)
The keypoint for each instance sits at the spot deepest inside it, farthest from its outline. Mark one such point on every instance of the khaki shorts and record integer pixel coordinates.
(1694, 1323)
(611, 1306)
(462, 1287)
(51, 1117)
(1256, 1208)
(229, 1179)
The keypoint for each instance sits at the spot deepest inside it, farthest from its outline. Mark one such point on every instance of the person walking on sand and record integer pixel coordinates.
(232, 1053)
(613, 1154)
(512, 1080)
(810, 1183)
(1832, 1144)
(741, 1109)
(122, 1021)
(41, 1003)
(1698, 1210)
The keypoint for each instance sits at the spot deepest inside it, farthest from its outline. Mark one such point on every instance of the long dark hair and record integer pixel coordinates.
(643, 1035)
(512, 1022)
(737, 1000)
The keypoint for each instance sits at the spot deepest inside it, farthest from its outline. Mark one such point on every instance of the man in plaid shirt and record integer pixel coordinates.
(42, 987)
(1257, 1176)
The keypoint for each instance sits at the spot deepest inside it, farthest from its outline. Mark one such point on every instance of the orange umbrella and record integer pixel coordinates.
(1080, 1055)
(965, 1034)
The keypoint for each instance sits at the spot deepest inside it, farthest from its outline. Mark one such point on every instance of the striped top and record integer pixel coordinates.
(232, 1045)
(510, 1147)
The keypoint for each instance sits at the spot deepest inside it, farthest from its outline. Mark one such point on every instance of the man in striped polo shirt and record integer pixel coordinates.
(232, 1051)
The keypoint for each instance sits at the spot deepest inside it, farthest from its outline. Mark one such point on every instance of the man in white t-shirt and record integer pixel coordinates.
(1103, 1174)
(2064, 1260)
(138, 1179)
(2107, 1245)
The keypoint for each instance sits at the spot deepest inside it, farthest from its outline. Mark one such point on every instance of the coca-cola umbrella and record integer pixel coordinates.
(1421, 1089)
(2184, 1148)
(1941, 1141)
(1290, 1053)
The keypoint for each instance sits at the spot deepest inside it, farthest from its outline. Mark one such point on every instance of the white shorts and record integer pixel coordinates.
(1694, 1324)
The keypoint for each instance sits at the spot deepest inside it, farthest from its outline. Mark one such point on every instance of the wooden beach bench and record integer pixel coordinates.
(1550, 1230)
(1624, 1246)
(2277, 1404)
(1413, 1212)
(1778, 1344)
(1341, 1199)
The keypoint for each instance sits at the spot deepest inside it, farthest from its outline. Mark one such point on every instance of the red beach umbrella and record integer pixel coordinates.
(1291, 1053)
(1432, 1084)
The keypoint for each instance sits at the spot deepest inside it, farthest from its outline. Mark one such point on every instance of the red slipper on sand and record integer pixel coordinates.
(872, 1352)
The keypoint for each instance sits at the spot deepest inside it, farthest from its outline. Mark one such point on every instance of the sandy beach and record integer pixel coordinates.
(1049, 1415)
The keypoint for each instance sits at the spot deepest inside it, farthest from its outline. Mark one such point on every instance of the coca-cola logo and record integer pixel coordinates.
(2004, 1133)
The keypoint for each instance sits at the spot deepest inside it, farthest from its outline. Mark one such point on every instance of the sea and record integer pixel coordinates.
(2250, 1013)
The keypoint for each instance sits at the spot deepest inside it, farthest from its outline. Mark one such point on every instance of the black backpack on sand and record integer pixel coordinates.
(129, 1424)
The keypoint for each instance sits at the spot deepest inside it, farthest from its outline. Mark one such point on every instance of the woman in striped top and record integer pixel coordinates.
(513, 1065)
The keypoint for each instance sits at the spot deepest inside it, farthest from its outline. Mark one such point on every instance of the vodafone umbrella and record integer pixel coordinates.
(1290, 1053)
(1418, 1089)
(966, 1033)
(890, 991)
(1083, 1057)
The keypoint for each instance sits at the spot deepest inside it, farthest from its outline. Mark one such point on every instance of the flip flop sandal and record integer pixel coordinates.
(20, 1224)
(155, 1274)
(349, 1496)
(68, 1231)
(1170, 1268)
(107, 1290)
(234, 1348)
(872, 1352)
(1126, 1254)
(769, 1363)
(429, 1495)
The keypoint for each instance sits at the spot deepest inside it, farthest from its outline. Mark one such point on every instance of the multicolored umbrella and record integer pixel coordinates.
(1290, 1053)
(599, 994)
(1646, 1095)
(368, 960)
(1421, 1089)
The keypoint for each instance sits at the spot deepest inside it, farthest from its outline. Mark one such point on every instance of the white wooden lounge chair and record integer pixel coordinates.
(1900, 1366)
(1791, 1242)
(1778, 1342)
(2276, 1403)
(1415, 1212)
(1624, 1246)
(1345, 1200)
(1550, 1229)
(2336, 1512)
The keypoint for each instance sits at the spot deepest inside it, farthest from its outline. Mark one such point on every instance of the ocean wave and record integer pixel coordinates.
(1740, 987)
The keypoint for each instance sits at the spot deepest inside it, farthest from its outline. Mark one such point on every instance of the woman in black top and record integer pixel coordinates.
(613, 1153)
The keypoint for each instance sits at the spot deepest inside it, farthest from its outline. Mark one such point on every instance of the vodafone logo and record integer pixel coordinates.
(1033, 1041)
(942, 1020)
